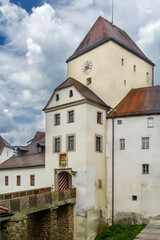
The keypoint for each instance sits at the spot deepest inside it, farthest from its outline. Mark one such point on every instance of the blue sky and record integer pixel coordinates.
(36, 37)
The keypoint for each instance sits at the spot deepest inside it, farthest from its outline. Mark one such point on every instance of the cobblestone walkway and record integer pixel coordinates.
(151, 231)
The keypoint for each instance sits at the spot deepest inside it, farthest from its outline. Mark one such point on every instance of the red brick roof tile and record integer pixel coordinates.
(103, 31)
(139, 101)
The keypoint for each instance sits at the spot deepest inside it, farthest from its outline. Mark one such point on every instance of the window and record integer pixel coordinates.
(32, 180)
(6, 180)
(71, 116)
(134, 68)
(71, 143)
(150, 122)
(88, 81)
(57, 97)
(119, 122)
(122, 61)
(70, 93)
(145, 142)
(147, 76)
(98, 143)
(124, 82)
(99, 117)
(134, 198)
(57, 119)
(57, 142)
(122, 144)
(19, 180)
(145, 168)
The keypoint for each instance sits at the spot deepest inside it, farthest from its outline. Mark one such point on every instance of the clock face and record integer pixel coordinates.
(87, 67)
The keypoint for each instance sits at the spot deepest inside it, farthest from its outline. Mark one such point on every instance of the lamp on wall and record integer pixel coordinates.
(73, 173)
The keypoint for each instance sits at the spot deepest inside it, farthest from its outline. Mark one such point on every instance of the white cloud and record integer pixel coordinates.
(32, 61)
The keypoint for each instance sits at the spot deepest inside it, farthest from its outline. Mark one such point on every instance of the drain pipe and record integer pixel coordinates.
(112, 170)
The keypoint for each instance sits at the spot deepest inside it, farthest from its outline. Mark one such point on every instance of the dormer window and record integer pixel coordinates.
(57, 97)
(40, 147)
(70, 93)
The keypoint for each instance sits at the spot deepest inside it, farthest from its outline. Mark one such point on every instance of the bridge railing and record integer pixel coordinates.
(39, 202)
(24, 193)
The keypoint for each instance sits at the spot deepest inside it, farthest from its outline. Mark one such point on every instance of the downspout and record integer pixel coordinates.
(112, 170)
(152, 76)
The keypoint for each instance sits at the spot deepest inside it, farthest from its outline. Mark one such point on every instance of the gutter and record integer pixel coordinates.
(113, 170)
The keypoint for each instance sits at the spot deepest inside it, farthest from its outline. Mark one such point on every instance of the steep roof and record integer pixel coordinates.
(139, 101)
(103, 31)
(29, 158)
(3, 144)
(85, 91)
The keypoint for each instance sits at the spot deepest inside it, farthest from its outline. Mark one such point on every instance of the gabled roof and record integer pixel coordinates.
(29, 158)
(139, 101)
(3, 144)
(83, 90)
(103, 31)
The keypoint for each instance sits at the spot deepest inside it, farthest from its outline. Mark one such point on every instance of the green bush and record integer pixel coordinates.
(120, 232)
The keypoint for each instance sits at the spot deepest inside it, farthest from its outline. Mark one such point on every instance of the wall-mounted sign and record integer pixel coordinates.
(63, 160)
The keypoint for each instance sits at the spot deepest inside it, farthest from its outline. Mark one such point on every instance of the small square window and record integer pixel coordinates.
(6, 180)
(57, 142)
(99, 117)
(145, 142)
(98, 144)
(150, 122)
(57, 119)
(119, 122)
(71, 143)
(145, 168)
(134, 198)
(71, 116)
(122, 144)
(32, 180)
(19, 180)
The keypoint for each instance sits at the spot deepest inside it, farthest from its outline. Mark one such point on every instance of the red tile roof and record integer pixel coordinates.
(3, 144)
(103, 31)
(139, 101)
(85, 91)
(29, 158)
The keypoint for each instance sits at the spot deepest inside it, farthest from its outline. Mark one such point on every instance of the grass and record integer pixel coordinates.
(120, 232)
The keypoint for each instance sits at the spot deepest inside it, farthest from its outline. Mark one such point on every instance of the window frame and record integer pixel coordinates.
(55, 119)
(145, 142)
(18, 177)
(119, 122)
(68, 116)
(68, 136)
(148, 122)
(145, 168)
(6, 180)
(99, 117)
(54, 144)
(99, 147)
(122, 144)
(32, 183)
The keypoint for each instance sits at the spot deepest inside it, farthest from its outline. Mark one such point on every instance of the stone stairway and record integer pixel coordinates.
(151, 231)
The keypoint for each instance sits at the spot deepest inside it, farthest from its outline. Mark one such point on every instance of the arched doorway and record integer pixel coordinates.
(65, 180)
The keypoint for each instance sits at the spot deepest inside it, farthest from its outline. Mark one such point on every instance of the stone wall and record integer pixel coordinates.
(52, 224)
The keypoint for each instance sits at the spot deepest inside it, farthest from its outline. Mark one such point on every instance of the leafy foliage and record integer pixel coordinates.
(120, 232)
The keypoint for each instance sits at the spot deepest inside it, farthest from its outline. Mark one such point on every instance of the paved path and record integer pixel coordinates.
(151, 231)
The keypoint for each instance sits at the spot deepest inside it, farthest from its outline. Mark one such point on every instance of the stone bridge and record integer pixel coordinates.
(39, 214)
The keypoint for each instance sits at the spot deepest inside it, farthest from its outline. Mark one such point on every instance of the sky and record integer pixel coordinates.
(36, 38)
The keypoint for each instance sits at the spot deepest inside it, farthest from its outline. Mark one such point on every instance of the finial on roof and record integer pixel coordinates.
(112, 11)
